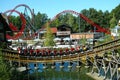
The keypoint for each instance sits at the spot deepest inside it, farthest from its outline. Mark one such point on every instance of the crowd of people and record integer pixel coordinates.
(29, 51)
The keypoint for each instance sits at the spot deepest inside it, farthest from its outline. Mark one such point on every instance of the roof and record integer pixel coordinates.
(3, 21)
(54, 30)
(64, 27)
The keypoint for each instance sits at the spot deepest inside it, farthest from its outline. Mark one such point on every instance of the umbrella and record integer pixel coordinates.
(10, 39)
(67, 38)
(20, 40)
(36, 40)
(57, 39)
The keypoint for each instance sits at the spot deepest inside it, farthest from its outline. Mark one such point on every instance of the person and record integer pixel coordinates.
(19, 50)
(66, 51)
(25, 51)
(43, 52)
(61, 51)
(72, 50)
(55, 52)
(31, 51)
(37, 51)
(49, 52)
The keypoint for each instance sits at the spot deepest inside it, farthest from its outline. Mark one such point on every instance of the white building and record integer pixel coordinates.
(116, 31)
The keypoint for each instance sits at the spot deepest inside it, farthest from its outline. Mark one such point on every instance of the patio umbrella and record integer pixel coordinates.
(66, 39)
(20, 40)
(10, 39)
(36, 40)
(57, 39)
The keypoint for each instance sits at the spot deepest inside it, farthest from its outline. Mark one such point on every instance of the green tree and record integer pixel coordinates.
(83, 40)
(48, 37)
(40, 19)
(5, 68)
(83, 23)
(16, 21)
(73, 22)
(113, 22)
(55, 23)
(116, 12)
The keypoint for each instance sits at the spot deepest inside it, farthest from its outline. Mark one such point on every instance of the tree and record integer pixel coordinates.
(116, 12)
(106, 20)
(55, 23)
(48, 37)
(113, 22)
(16, 21)
(5, 68)
(39, 20)
(83, 40)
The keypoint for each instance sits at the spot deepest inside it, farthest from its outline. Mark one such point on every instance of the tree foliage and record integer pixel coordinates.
(48, 37)
(116, 12)
(113, 22)
(39, 20)
(5, 69)
(16, 21)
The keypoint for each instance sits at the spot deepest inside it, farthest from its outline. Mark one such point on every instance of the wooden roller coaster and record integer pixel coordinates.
(97, 50)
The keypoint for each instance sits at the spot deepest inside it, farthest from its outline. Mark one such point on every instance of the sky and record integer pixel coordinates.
(53, 7)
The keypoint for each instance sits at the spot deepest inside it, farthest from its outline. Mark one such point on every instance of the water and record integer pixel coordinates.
(58, 73)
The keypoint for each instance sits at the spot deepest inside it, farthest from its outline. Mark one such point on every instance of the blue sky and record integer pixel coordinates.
(53, 7)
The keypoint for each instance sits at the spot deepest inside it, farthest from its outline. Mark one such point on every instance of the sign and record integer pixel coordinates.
(82, 35)
(60, 33)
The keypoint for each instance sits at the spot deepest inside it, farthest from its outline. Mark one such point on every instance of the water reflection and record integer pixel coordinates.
(60, 73)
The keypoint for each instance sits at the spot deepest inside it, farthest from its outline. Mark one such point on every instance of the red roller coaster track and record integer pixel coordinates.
(13, 28)
(99, 28)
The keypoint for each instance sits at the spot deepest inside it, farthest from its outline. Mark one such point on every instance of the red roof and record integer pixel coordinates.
(54, 30)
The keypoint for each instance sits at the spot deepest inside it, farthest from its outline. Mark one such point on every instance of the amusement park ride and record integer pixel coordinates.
(95, 57)
(28, 25)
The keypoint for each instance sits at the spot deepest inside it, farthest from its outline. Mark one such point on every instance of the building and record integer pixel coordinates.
(63, 31)
(4, 29)
(115, 31)
(77, 36)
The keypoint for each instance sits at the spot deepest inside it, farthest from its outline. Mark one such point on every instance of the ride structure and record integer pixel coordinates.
(27, 26)
(99, 28)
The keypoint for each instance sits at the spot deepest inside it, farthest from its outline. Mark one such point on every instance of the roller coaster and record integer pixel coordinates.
(94, 57)
(28, 25)
(97, 50)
